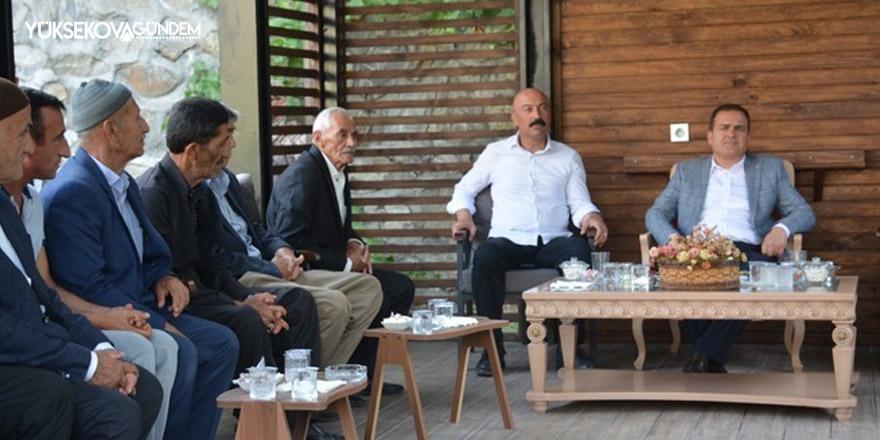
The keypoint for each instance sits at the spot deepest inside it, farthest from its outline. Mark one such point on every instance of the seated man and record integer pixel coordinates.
(539, 186)
(738, 194)
(310, 208)
(267, 322)
(126, 327)
(347, 302)
(102, 246)
(110, 397)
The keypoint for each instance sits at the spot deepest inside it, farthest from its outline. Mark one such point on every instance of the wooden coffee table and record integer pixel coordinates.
(393, 349)
(821, 390)
(265, 419)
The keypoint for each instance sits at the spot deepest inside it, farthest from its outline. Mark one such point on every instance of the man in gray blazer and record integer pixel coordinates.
(738, 193)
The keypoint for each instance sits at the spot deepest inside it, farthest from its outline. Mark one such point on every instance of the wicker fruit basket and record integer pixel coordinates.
(721, 276)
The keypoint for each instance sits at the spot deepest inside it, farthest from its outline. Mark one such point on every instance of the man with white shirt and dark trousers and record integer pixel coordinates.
(739, 194)
(539, 188)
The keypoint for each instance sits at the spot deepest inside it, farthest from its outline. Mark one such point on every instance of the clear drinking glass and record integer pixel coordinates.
(443, 313)
(423, 322)
(610, 274)
(641, 277)
(262, 382)
(296, 359)
(598, 260)
(305, 384)
(795, 257)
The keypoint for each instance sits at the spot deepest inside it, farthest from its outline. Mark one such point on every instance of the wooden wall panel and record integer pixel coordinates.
(809, 73)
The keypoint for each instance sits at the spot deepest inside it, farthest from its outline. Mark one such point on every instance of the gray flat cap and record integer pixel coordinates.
(95, 101)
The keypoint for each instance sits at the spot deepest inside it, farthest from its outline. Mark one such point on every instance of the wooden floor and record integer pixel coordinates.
(435, 363)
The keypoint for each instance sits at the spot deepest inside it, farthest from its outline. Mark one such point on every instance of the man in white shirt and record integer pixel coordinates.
(739, 194)
(539, 188)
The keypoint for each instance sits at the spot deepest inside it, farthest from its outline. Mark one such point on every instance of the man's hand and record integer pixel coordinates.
(774, 242)
(169, 285)
(359, 255)
(288, 263)
(110, 370)
(271, 314)
(123, 318)
(129, 379)
(594, 221)
(464, 222)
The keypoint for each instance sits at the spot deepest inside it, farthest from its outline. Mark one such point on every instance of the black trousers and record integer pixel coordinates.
(255, 341)
(34, 404)
(715, 338)
(497, 255)
(105, 413)
(398, 292)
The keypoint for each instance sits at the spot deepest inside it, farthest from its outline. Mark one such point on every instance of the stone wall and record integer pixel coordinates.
(157, 70)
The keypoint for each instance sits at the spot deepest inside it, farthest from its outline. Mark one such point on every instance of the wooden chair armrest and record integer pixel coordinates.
(462, 235)
(644, 245)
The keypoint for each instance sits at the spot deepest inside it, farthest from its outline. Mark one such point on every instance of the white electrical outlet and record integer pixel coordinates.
(679, 132)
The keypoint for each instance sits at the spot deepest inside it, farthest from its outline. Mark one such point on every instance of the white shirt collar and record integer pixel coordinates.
(513, 142)
(334, 172)
(736, 167)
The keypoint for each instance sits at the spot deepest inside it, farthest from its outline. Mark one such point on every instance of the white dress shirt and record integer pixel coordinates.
(338, 179)
(533, 195)
(727, 204)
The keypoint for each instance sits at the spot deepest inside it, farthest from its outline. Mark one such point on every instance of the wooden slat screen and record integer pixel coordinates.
(430, 84)
(809, 73)
(296, 73)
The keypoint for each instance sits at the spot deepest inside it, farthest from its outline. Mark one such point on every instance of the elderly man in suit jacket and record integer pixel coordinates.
(102, 245)
(310, 208)
(738, 194)
(99, 394)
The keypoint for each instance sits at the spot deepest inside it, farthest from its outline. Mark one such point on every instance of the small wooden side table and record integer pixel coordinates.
(265, 419)
(393, 349)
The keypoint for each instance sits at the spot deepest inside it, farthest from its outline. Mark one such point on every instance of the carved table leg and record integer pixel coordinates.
(844, 337)
(639, 336)
(568, 342)
(797, 340)
(538, 360)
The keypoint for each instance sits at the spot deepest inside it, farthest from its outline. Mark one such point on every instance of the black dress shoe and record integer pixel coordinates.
(324, 417)
(581, 359)
(388, 389)
(698, 363)
(316, 433)
(715, 367)
(358, 400)
(484, 368)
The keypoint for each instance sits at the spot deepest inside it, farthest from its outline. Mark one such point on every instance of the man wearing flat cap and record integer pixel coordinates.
(101, 244)
(59, 375)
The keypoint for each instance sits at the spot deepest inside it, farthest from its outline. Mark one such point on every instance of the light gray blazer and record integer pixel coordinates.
(768, 189)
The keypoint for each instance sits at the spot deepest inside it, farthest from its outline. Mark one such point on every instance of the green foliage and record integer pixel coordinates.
(204, 81)
(210, 3)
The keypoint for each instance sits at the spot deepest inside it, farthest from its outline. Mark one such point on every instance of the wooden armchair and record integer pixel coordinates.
(793, 336)
(516, 281)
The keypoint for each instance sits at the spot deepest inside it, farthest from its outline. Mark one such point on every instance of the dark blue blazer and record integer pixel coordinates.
(229, 248)
(90, 249)
(56, 340)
